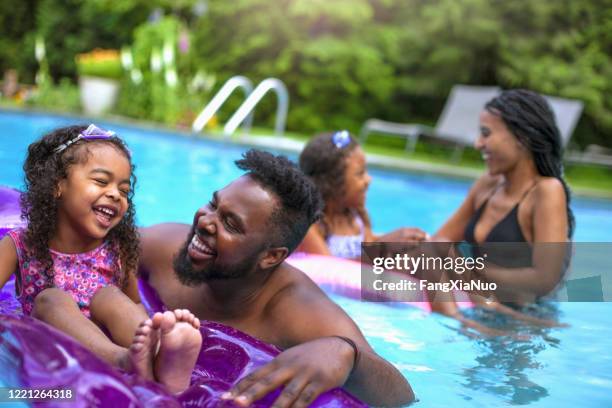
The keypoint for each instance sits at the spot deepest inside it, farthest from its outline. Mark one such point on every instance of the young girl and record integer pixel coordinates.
(337, 165)
(75, 261)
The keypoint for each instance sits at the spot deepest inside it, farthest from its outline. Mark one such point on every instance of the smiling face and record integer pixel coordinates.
(229, 234)
(93, 198)
(356, 179)
(500, 149)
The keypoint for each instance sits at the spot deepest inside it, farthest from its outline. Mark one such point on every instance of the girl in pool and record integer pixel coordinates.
(337, 165)
(522, 198)
(75, 261)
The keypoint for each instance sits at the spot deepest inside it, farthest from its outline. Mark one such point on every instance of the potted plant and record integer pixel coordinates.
(99, 74)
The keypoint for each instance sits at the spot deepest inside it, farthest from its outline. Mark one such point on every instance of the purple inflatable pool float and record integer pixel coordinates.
(33, 354)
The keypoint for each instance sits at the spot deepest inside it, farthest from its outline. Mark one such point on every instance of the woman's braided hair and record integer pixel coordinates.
(531, 120)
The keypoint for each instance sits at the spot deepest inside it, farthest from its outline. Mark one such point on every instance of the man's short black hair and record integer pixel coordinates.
(299, 201)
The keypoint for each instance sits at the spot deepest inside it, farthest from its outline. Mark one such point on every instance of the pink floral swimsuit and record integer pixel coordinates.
(80, 275)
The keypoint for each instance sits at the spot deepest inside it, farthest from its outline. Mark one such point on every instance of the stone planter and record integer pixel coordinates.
(98, 95)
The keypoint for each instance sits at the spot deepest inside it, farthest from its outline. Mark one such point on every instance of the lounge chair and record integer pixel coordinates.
(567, 112)
(593, 154)
(457, 124)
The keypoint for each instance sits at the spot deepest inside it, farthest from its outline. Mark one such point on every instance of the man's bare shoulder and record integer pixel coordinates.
(163, 235)
(294, 287)
(159, 243)
(162, 231)
(301, 311)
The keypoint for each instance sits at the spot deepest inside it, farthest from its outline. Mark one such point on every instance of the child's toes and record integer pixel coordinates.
(156, 320)
(179, 313)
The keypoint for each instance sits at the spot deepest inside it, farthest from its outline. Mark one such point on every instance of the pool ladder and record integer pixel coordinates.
(244, 114)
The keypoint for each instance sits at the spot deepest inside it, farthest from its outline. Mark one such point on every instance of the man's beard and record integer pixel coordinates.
(189, 276)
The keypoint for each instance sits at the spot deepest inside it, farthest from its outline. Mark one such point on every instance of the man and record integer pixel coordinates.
(231, 270)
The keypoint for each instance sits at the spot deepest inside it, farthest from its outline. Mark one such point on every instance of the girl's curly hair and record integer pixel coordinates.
(325, 164)
(44, 168)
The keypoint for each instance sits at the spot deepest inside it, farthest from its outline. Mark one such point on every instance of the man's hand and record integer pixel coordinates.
(306, 370)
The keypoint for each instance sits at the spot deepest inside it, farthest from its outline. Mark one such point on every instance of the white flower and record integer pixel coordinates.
(126, 58)
(156, 62)
(39, 49)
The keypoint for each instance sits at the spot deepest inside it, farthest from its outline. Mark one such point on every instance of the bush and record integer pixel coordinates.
(63, 97)
(155, 95)
(349, 60)
(343, 61)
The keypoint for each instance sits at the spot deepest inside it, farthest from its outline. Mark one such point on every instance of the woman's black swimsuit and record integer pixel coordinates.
(505, 245)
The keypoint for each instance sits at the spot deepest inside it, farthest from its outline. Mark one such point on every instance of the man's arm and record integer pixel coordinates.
(306, 319)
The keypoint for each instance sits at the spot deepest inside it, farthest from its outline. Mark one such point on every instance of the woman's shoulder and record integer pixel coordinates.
(550, 189)
(549, 185)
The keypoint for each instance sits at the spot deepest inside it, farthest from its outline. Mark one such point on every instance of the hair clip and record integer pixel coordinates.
(341, 139)
(92, 132)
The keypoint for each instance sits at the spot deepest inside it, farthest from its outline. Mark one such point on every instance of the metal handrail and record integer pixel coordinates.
(246, 109)
(220, 97)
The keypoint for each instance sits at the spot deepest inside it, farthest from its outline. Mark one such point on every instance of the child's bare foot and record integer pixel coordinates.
(144, 347)
(180, 342)
(184, 315)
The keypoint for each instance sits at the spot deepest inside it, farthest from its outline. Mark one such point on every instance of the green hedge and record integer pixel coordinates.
(347, 60)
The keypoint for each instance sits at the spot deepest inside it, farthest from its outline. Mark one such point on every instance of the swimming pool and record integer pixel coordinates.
(556, 367)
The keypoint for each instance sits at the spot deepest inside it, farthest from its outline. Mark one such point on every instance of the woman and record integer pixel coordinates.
(522, 198)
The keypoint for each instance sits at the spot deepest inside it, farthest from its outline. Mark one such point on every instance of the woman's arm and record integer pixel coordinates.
(454, 228)
(8, 259)
(549, 220)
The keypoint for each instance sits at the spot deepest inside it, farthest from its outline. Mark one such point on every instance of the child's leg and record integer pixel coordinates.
(57, 308)
(115, 311)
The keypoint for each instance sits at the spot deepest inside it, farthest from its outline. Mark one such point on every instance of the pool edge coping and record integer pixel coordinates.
(283, 144)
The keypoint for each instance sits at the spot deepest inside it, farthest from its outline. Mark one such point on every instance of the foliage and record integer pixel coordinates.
(70, 27)
(16, 46)
(161, 87)
(348, 60)
(100, 63)
(564, 49)
(63, 97)
(343, 61)
(333, 80)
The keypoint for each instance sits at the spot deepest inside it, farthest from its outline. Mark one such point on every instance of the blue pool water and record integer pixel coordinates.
(554, 367)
